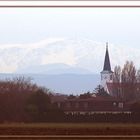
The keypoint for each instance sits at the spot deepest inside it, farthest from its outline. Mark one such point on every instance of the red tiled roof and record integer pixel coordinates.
(92, 104)
(97, 98)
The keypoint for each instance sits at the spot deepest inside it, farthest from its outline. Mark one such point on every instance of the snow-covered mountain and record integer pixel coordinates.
(75, 53)
(55, 68)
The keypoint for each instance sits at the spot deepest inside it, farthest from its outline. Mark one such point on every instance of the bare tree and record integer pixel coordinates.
(128, 73)
(125, 81)
(117, 74)
(128, 80)
(116, 90)
(138, 76)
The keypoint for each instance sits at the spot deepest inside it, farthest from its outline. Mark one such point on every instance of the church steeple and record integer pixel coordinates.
(107, 66)
(107, 73)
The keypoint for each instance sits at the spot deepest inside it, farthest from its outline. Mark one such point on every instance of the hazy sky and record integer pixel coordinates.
(84, 32)
(29, 25)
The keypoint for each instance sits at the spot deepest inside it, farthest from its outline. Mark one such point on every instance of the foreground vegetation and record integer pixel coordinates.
(23, 101)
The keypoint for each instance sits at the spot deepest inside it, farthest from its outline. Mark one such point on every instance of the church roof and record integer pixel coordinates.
(107, 66)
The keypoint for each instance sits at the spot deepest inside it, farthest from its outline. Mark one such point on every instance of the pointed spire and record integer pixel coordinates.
(107, 66)
(106, 45)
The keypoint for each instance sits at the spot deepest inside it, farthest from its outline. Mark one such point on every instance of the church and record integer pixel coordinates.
(96, 104)
(106, 73)
(117, 89)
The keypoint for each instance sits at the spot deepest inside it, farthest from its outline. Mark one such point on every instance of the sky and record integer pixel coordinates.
(29, 25)
(22, 27)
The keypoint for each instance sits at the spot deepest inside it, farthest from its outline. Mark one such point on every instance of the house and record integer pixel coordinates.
(93, 105)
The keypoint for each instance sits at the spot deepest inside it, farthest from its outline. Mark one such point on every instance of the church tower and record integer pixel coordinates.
(107, 73)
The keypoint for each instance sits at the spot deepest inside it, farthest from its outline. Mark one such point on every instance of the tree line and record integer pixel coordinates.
(127, 81)
(23, 101)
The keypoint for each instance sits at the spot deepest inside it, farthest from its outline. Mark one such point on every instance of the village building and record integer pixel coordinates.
(97, 104)
(93, 105)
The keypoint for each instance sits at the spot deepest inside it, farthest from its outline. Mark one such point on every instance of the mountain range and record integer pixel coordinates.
(77, 53)
(62, 83)
(55, 68)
